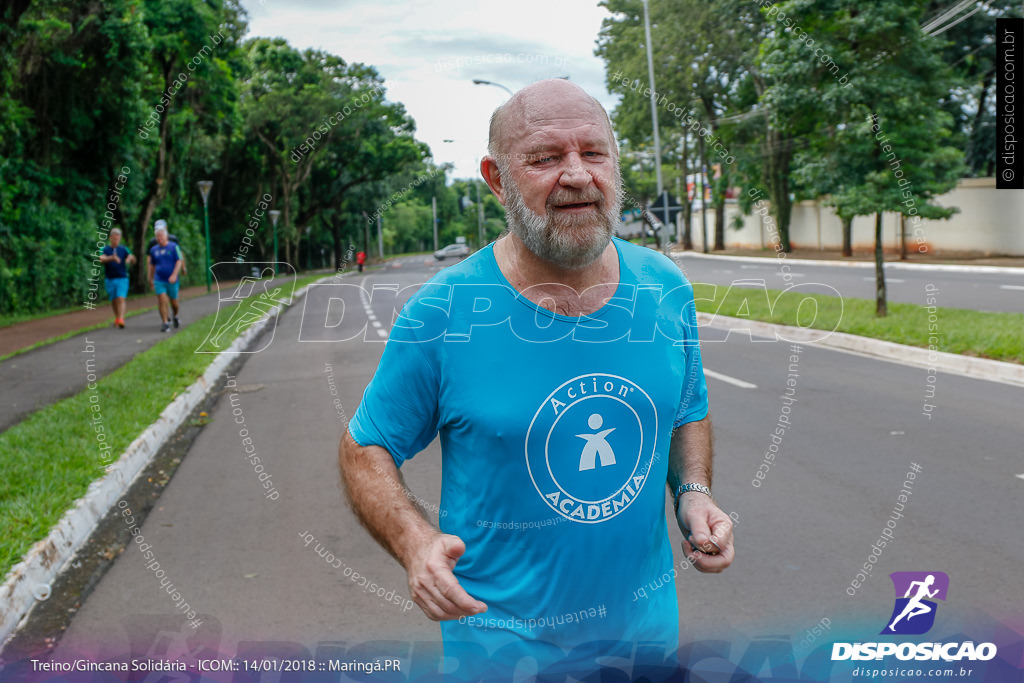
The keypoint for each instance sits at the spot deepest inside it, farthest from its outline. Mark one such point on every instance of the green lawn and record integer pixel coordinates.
(999, 336)
(51, 457)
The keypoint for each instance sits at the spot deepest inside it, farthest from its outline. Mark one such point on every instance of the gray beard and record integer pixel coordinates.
(570, 242)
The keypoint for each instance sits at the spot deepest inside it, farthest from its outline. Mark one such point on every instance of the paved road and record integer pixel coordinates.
(995, 292)
(240, 560)
(35, 379)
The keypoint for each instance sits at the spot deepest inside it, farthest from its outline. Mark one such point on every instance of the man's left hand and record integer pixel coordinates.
(706, 522)
(172, 279)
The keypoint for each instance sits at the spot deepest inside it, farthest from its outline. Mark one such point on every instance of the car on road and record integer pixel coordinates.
(453, 250)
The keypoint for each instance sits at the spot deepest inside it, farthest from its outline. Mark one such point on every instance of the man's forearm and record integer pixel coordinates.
(376, 493)
(690, 455)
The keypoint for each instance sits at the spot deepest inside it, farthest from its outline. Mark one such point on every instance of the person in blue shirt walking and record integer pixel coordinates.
(561, 369)
(164, 266)
(115, 258)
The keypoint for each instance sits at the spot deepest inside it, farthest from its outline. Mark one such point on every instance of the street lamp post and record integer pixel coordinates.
(274, 215)
(480, 81)
(433, 206)
(204, 190)
(654, 112)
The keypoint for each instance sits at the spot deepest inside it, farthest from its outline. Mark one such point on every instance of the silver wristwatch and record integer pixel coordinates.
(683, 488)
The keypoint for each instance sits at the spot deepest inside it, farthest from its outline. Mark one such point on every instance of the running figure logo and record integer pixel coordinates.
(914, 613)
(597, 445)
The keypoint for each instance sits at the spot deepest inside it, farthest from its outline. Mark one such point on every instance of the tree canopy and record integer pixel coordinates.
(110, 112)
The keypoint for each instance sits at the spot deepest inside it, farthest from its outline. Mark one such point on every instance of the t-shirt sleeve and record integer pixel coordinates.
(693, 403)
(399, 410)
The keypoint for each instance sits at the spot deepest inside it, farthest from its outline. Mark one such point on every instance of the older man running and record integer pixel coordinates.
(562, 371)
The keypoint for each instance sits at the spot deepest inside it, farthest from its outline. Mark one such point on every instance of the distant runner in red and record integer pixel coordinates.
(360, 260)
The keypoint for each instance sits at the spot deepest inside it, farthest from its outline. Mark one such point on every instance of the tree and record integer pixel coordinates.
(701, 52)
(880, 137)
(187, 89)
(968, 45)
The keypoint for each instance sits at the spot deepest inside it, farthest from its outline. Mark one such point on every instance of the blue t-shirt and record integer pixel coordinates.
(115, 270)
(164, 259)
(555, 437)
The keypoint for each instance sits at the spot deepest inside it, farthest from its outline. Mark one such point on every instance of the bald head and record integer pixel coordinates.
(536, 104)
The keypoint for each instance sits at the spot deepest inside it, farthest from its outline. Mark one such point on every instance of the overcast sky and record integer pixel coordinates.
(431, 50)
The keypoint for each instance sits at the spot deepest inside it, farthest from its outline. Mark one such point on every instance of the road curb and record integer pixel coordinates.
(952, 363)
(29, 580)
(889, 265)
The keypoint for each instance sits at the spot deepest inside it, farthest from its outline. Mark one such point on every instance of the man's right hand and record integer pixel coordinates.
(432, 584)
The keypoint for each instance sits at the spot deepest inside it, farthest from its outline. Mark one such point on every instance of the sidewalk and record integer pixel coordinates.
(42, 376)
(23, 335)
(869, 257)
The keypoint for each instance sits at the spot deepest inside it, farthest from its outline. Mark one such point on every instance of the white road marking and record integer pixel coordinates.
(748, 267)
(731, 380)
(887, 280)
(1020, 287)
(376, 323)
(381, 333)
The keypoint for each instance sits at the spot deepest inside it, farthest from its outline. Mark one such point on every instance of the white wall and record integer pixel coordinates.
(990, 222)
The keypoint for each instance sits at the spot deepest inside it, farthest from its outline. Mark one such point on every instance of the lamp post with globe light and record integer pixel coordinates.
(204, 190)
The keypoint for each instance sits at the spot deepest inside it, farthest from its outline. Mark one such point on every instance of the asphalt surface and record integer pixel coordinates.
(240, 559)
(38, 378)
(995, 292)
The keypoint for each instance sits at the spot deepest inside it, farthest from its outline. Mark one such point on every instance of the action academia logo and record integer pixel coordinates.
(914, 613)
(590, 446)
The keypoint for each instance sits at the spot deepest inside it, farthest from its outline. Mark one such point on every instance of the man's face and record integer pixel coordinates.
(563, 185)
(115, 239)
(161, 238)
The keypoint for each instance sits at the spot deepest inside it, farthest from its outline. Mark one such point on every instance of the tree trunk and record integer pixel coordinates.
(777, 157)
(847, 236)
(366, 239)
(153, 197)
(880, 303)
(986, 83)
(903, 237)
(719, 224)
(338, 251)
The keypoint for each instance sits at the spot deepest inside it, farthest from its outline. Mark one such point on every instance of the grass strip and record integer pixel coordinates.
(50, 458)
(998, 336)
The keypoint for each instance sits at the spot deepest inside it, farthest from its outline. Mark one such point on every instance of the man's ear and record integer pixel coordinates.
(492, 176)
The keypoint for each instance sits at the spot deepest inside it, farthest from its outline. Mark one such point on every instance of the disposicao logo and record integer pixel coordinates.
(914, 614)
